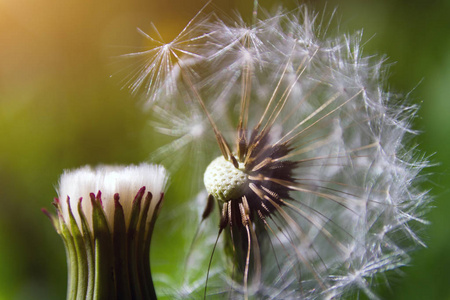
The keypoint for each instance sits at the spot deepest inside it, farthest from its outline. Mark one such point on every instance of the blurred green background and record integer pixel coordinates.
(59, 108)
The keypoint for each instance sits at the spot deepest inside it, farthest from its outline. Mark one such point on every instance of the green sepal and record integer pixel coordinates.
(82, 268)
(147, 242)
(88, 244)
(133, 258)
(121, 252)
(148, 290)
(104, 287)
(72, 260)
(53, 219)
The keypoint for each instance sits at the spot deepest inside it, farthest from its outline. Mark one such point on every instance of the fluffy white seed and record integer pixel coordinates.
(124, 180)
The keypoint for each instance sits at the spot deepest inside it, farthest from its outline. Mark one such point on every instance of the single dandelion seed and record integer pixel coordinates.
(155, 71)
(189, 130)
(317, 189)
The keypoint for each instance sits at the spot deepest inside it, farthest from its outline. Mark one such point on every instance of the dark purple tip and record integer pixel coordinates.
(47, 213)
(116, 200)
(139, 194)
(99, 198)
(149, 196)
(92, 196)
(56, 203)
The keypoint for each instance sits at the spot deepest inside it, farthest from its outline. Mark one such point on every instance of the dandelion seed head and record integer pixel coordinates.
(317, 185)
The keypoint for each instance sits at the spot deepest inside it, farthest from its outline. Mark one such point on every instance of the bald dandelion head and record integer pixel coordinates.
(224, 181)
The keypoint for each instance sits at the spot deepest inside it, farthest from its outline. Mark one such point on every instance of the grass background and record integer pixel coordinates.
(59, 109)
